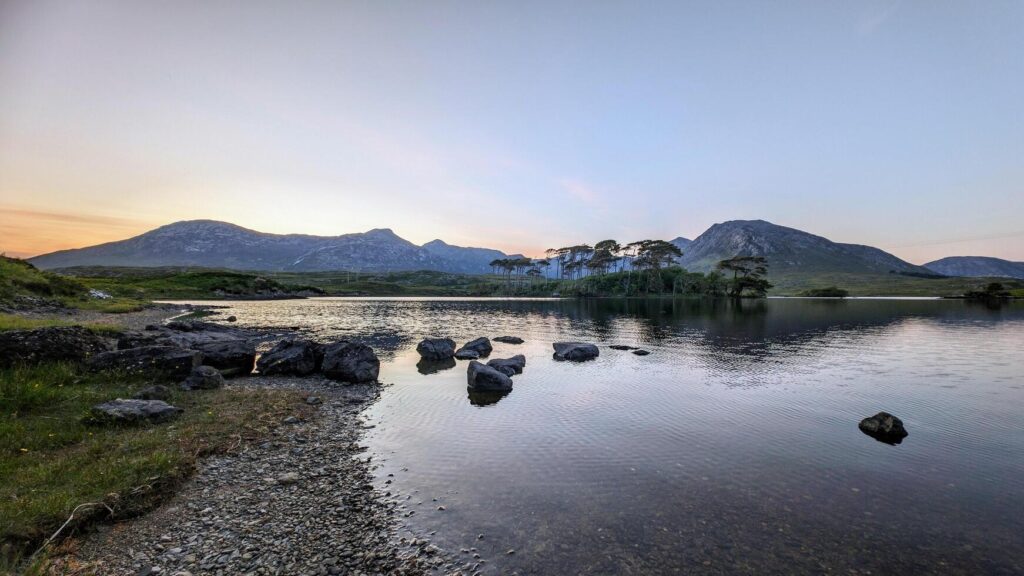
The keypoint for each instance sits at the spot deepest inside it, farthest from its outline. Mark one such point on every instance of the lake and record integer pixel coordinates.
(732, 448)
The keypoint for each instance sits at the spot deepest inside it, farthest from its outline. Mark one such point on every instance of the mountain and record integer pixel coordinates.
(212, 244)
(787, 250)
(977, 266)
(681, 243)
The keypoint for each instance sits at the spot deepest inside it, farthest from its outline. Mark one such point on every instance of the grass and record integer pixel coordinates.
(53, 462)
(17, 322)
(19, 280)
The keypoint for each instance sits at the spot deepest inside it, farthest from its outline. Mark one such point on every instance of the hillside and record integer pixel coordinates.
(975, 266)
(788, 251)
(213, 244)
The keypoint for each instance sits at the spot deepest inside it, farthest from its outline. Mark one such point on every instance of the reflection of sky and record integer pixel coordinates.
(734, 442)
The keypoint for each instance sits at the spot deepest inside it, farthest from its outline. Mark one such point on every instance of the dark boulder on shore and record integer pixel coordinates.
(203, 378)
(575, 351)
(133, 411)
(884, 427)
(436, 348)
(509, 339)
(231, 357)
(291, 357)
(482, 346)
(350, 362)
(58, 344)
(158, 361)
(509, 366)
(483, 378)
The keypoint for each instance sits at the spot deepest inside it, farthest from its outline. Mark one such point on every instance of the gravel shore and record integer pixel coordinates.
(300, 502)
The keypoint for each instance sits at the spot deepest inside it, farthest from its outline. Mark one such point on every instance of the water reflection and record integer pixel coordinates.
(485, 398)
(427, 367)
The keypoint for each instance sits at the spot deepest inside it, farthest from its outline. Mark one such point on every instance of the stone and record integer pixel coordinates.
(464, 354)
(57, 344)
(203, 378)
(133, 411)
(291, 357)
(288, 478)
(481, 346)
(509, 339)
(509, 366)
(231, 319)
(314, 401)
(436, 348)
(575, 351)
(231, 357)
(884, 427)
(622, 347)
(483, 378)
(163, 361)
(641, 352)
(155, 392)
(350, 362)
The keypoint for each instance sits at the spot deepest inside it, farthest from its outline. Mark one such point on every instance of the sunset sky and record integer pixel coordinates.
(515, 125)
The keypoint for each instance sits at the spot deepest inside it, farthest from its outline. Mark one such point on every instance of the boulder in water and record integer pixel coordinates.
(482, 346)
(436, 348)
(575, 351)
(884, 427)
(509, 339)
(483, 378)
(509, 366)
(464, 354)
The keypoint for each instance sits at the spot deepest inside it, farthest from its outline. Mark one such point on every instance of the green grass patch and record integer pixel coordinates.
(52, 462)
(17, 322)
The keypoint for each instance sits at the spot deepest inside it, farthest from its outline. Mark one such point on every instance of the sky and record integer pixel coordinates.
(516, 125)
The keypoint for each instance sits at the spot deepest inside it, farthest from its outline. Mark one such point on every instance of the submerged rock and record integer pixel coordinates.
(481, 346)
(292, 357)
(350, 362)
(509, 366)
(133, 411)
(203, 378)
(641, 352)
(156, 392)
(575, 351)
(884, 427)
(436, 348)
(622, 347)
(158, 361)
(509, 339)
(483, 378)
(58, 344)
(464, 354)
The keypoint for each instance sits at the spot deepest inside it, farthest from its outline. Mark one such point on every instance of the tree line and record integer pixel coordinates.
(644, 266)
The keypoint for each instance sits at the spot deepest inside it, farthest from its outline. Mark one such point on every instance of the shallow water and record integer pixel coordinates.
(732, 448)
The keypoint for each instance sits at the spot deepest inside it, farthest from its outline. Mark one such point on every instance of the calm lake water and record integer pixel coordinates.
(732, 448)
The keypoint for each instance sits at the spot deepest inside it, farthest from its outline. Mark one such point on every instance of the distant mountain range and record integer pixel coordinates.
(212, 244)
(977, 266)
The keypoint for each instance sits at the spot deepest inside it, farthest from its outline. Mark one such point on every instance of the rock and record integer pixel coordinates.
(427, 367)
(575, 351)
(436, 348)
(641, 352)
(509, 339)
(290, 420)
(133, 411)
(622, 347)
(884, 427)
(483, 378)
(464, 354)
(288, 478)
(350, 362)
(156, 392)
(203, 378)
(482, 346)
(509, 366)
(231, 357)
(314, 401)
(164, 361)
(59, 344)
(292, 357)
(231, 319)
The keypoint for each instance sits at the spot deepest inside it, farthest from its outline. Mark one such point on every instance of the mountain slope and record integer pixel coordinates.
(213, 244)
(788, 250)
(681, 243)
(977, 266)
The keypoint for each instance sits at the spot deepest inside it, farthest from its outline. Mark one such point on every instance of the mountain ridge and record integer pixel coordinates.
(977, 266)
